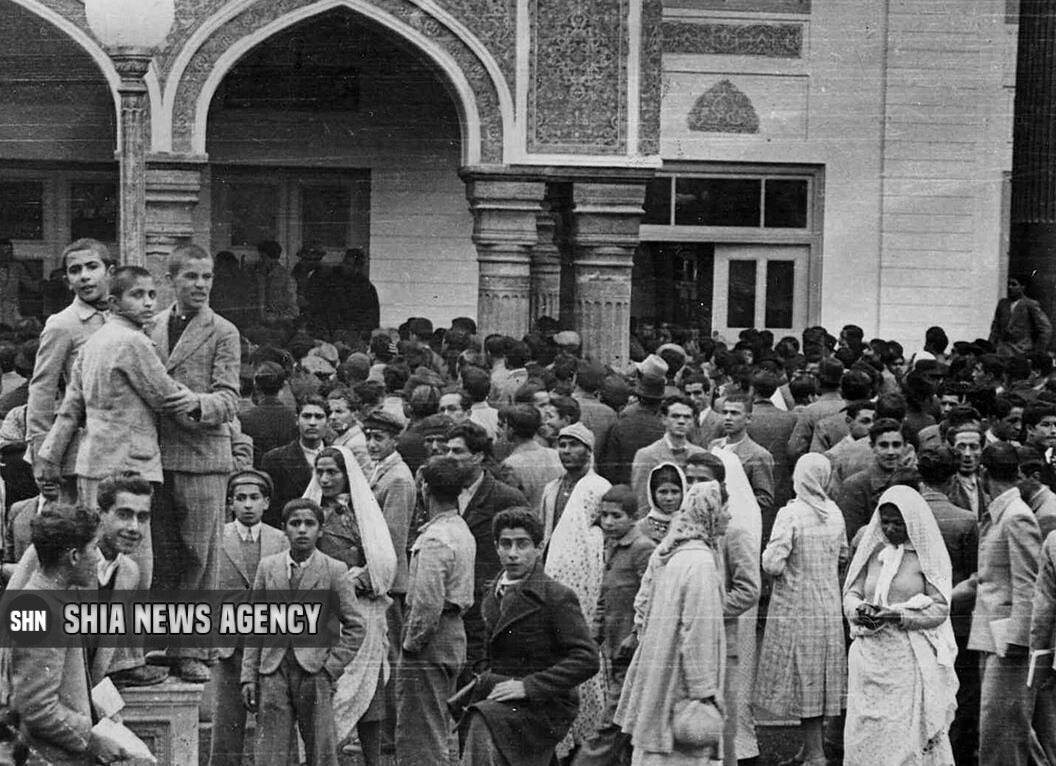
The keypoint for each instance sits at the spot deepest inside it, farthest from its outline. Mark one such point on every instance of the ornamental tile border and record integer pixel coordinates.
(577, 99)
(266, 11)
(650, 88)
(768, 40)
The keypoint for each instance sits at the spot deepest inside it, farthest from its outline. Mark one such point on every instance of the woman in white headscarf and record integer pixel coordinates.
(802, 665)
(682, 642)
(354, 531)
(901, 686)
(575, 557)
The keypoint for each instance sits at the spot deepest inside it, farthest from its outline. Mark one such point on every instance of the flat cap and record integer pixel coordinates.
(382, 420)
(251, 476)
(580, 433)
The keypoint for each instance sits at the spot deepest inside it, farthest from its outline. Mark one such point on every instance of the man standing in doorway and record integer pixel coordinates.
(201, 350)
(1019, 323)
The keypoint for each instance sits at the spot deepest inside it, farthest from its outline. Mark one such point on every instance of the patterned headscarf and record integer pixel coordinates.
(810, 480)
(704, 517)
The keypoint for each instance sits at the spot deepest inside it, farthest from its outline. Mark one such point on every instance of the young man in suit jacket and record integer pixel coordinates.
(539, 650)
(291, 688)
(1009, 546)
(1019, 323)
(290, 466)
(202, 351)
(84, 262)
(246, 542)
(117, 387)
(482, 498)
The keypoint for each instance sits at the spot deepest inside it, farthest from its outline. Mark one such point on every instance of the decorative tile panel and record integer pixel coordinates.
(723, 108)
(651, 82)
(750, 6)
(769, 40)
(190, 14)
(577, 98)
(265, 12)
(494, 22)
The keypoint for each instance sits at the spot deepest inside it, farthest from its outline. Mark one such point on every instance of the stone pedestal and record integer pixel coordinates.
(605, 220)
(505, 215)
(545, 296)
(165, 717)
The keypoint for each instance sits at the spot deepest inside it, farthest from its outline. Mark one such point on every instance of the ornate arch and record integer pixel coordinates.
(482, 96)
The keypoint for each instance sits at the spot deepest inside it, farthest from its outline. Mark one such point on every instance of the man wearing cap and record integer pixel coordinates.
(201, 350)
(575, 448)
(676, 417)
(392, 483)
(270, 423)
(638, 426)
(595, 415)
(245, 542)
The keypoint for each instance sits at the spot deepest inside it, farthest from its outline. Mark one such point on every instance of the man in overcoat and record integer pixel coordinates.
(539, 649)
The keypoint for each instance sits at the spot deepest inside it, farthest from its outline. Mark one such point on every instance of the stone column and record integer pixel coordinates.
(544, 298)
(505, 221)
(132, 65)
(173, 187)
(605, 220)
(165, 717)
(1033, 231)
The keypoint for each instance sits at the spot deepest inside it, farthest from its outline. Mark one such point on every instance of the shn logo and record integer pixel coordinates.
(27, 619)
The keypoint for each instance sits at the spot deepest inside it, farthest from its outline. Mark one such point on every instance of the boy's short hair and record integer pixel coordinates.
(346, 395)
(523, 419)
(1035, 411)
(518, 518)
(315, 401)
(567, 407)
(124, 277)
(764, 384)
(1001, 461)
(60, 528)
(184, 253)
(127, 481)
(445, 478)
(712, 462)
(623, 496)
(473, 434)
(743, 399)
(301, 504)
(855, 408)
(666, 402)
(936, 465)
(98, 249)
(883, 426)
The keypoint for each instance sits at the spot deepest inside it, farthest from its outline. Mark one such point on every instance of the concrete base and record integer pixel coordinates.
(165, 717)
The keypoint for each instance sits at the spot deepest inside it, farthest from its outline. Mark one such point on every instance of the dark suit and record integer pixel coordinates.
(771, 429)
(491, 497)
(537, 635)
(229, 715)
(290, 472)
(1024, 327)
(271, 424)
(630, 433)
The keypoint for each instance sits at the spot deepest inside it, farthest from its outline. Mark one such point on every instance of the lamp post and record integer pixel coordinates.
(131, 31)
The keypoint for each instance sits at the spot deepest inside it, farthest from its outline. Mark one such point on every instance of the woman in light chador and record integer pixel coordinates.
(682, 642)
(902, 687)
(802, 667)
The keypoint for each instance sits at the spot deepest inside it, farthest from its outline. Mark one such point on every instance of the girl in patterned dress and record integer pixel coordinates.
(802, 665)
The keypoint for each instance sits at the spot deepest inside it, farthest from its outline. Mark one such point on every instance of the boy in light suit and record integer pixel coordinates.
(293, 685)
(246, 541)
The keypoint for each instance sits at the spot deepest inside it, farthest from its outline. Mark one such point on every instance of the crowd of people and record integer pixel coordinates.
(561, 561)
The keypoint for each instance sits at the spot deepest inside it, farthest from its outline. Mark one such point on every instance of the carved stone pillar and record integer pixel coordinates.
(505, 220)
(132, 65)
(545, 296)
(165, 717)
(605, 220)
(173, 187)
